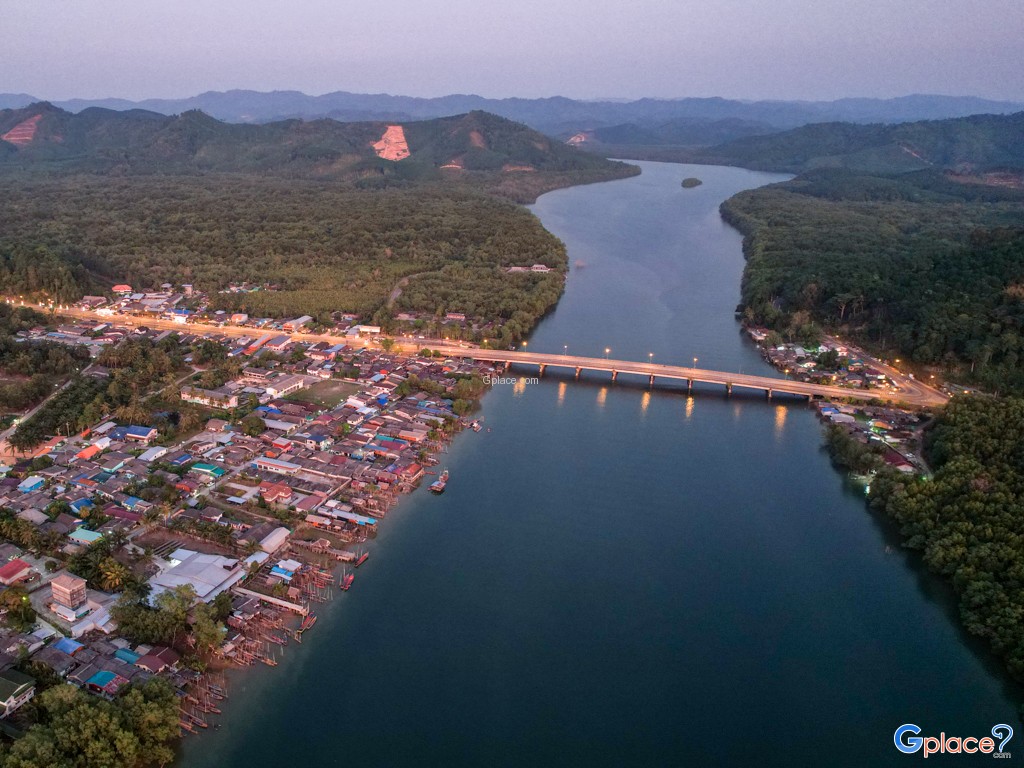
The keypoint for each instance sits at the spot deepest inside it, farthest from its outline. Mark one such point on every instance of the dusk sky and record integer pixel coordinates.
(753, 49)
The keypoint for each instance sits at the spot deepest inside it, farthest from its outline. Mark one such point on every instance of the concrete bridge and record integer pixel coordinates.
(911, 391)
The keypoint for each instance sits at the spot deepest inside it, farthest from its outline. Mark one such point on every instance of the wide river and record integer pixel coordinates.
(620, 577)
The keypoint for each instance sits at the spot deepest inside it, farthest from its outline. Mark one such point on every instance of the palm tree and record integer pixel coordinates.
(113, 575)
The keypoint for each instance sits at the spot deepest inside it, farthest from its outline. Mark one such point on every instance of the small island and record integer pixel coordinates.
(691, 182)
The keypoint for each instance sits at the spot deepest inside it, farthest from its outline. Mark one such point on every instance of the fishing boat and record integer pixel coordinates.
(346, 581)
(362, 559)
(440, 484)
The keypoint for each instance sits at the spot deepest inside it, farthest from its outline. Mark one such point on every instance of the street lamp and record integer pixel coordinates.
(650, 357)
(565, 349)
(695, 362)
(606, 351)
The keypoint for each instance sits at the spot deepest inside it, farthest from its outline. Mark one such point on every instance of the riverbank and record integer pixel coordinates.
(616, 572)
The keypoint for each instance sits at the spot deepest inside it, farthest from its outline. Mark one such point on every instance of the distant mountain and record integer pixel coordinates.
(45, 137)
(967, 144)
(555, 116)
(16, 100)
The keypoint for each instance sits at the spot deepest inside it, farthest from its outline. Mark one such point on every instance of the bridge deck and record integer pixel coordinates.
(918, 395)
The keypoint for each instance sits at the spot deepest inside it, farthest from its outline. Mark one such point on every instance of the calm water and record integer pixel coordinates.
(617, 577)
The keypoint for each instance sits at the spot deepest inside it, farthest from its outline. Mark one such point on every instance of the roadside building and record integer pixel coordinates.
(16, 689)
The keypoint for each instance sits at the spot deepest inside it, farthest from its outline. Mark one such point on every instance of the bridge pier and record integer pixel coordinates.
(542, 366)
(769, 393)
(578, 370)
(615, 375)
(652, 380)
(728, 388)
(508, 364)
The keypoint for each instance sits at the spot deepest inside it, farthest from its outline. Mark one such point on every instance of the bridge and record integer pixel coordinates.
(911, 391)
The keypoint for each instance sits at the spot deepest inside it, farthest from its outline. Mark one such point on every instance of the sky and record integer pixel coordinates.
(747, 49)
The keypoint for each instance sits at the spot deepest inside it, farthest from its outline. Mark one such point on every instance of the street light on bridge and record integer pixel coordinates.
(606, 352)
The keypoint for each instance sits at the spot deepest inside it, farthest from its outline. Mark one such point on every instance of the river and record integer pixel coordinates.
(619, 577)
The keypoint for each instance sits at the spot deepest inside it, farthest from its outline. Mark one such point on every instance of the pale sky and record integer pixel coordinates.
(751, 49)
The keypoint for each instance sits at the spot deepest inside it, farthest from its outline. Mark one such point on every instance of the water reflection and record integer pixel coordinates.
(780, 420)
(602, 393)
(519, 387)
(645, 401)
(689, 407)
(561, 392)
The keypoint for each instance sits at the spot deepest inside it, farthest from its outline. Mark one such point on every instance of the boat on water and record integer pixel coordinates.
(362, 559)
(440, 484)
(346, 581)
(476, 425)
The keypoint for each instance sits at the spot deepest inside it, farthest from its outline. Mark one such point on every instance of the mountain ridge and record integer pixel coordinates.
(555, 115)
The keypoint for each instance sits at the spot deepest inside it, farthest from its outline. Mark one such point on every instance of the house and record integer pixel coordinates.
(210, 470)
(212, 398)
(69, 596)
(141, 434)
(31, 484)
(14, 571)
(16, 688)
(209, 575)
(279, 343)
(269, 536)
(266, 464)
(297, 323)
(84, 536)
(122, 288)
(275, 493)
(158, 659)
(152, 454)
(285, 385)
(106, 683)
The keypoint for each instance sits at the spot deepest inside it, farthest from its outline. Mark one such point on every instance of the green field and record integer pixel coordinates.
(326, 394)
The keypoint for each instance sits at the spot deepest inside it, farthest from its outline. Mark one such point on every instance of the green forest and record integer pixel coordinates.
(920, 266)
(322, 246)
(69, 728)
(968, 520)
(30, 369)
(304, 208)
(137, 366)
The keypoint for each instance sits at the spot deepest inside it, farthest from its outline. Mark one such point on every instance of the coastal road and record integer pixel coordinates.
(910, 391)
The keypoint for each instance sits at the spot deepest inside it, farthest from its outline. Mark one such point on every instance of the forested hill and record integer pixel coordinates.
(42, 137)
(976, 143)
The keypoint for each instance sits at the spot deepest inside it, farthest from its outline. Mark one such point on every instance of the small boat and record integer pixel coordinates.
(476, 426)
(362, 559)
(440, 484)
(346, 581)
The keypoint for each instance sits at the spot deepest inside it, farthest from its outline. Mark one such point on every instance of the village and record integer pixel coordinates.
(895, 431)
(257, 515)
(261, 511)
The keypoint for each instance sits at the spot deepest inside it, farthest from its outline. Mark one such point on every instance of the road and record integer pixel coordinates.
(911, 391)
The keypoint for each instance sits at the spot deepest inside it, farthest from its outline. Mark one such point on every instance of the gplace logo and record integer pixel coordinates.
(909, 741)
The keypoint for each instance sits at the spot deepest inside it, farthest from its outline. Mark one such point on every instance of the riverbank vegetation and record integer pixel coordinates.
(320, 247)
(68, 727)
(919, 266)
(968, 520)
